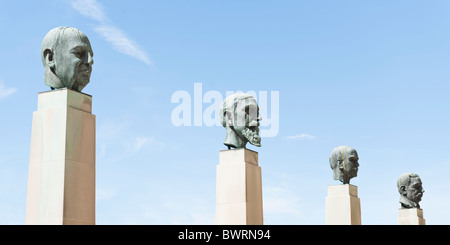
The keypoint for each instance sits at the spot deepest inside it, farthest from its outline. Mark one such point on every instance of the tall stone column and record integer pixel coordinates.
(343, 205)
(239, 188)
(61, 177)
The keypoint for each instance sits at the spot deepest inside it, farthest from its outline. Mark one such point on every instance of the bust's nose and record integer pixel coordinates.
(254, 123)
(90, 60)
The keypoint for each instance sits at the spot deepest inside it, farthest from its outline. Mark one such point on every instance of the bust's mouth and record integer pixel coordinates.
(419, 196)
(354, 171)
(85, 72)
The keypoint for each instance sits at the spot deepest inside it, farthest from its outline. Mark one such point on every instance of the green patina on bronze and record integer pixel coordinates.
(67, 58)
(344, 163)
(239, 114)
(411, 191)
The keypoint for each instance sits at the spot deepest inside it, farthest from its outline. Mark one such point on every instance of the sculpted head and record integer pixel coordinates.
(240, 117)
(67, 58)
(411, 191)
(344, 163)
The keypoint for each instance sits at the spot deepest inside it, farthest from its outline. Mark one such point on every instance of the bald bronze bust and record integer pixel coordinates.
(344, 163)
(67, 58)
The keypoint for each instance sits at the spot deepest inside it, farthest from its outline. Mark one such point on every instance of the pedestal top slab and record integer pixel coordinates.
(411, 212)
(65, 97)
(343, 190)
(239, 155)
(410, 216)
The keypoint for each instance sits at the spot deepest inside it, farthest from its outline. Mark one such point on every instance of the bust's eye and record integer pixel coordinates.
(79, 54)
(252, 110)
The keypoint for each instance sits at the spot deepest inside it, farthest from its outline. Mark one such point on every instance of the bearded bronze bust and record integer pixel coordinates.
(240, 117)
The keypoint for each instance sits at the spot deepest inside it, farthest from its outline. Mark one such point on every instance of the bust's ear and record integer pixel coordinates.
(403, 190)
(341, 164)
(48, 57)
(228, 118)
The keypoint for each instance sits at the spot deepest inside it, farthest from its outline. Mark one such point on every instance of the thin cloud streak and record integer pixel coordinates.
(4, 91)
(115, 36)
(301, 137)
(90, 8)
(122, 43)
(138, 143)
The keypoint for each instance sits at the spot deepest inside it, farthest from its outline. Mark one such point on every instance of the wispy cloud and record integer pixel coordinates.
(122, 43)
(117, 141)
(5, 91)
(115, 36)
(301, 137)
(90, 8)
(137, 144)
(109, 130)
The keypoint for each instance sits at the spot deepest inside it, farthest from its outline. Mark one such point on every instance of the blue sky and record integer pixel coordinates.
(369, 74)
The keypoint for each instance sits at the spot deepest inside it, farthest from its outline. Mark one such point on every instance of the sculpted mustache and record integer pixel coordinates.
(84, 69)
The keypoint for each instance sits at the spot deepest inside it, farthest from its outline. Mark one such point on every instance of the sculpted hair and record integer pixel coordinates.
(405, 180)
(336, 155)
(228, 106)
(53, 39)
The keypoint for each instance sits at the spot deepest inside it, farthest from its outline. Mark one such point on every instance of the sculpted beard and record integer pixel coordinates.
(252, 135)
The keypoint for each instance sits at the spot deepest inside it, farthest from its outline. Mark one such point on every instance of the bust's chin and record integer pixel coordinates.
(238, 139)
(79, 85)
(252, 136)
(53, 81)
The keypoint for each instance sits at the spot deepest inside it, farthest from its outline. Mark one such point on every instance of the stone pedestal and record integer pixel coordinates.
(239, 188)
(61, 175)
(343, 205)
(412, 216)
